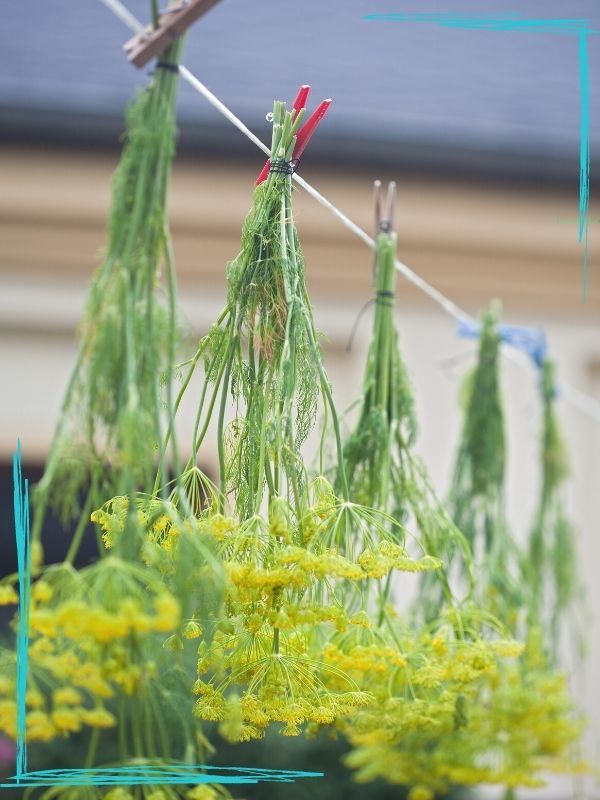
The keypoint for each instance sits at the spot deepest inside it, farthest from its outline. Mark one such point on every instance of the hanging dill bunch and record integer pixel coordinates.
(551, 568)
(262, 352)
(110, 421)
(476, 500)
(383, 471)
(463, 703)
(296, 554)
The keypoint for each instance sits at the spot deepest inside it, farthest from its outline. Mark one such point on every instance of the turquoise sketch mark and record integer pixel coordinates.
(21, 511)
(511, 22)
(140, 773)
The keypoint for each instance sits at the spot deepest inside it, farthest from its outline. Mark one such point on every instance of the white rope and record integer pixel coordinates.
(578, 399)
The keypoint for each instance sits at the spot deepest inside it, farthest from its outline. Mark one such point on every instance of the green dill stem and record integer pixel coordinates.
(172, 287)
(261, 463)
(161, 727)
(326, 389)
(92, 748)
(322, 441)
(308, 323)
(121, 729)
(220, 423)
(41, 493)
(148, 727)
(81, 526)
(155, 14)
(180, 394)
(136, 727)
(198, 439)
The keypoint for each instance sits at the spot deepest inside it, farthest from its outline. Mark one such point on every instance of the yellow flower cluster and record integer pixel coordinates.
(466, 718)
(8, 596)
(90, 635)
(77, 620)
(49, 716)
(288, 579)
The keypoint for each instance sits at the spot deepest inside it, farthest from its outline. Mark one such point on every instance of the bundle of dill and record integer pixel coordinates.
(461, 705)
(383, 471)
(476, 499)
(110, 421)
(551, 566)
(262, 352)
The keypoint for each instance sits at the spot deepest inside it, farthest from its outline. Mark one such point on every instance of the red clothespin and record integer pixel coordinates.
(172, 22)
(306, 131)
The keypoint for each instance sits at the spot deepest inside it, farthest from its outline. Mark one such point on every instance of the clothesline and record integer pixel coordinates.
(576, 398)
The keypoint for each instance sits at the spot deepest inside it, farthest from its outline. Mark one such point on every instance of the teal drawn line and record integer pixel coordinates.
(132, 774)
(509, 22)
(21, 510)
(154, 774)
(505, 22)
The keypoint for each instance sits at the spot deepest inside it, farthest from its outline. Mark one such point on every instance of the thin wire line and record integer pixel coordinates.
(578, 399)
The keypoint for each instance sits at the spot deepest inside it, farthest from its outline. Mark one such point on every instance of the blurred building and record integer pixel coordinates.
(480, 130)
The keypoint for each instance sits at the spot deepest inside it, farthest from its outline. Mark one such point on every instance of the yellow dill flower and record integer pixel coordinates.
(72, 617)
(98, 717)
(66, 719)
(67, 697)
(220, 526)
(133, 618)
(191, 630)
(202, 792)
(41, 591)
(508, 648)
(118, 793)
(420, 793)
(7, 685)
(127, 678)
(35, 699)
(41, 727)
(362, 619)
(8, 717)
(167, 617)
(157, 794)
(41, 647)
(173, 643)
(42, 621)
(8, 596)
(88, 676)
(102, 626)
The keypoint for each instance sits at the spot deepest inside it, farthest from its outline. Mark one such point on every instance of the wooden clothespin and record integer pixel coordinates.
(384, 217)
(172, 22)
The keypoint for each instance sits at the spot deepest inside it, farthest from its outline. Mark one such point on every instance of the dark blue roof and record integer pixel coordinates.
(398, 88)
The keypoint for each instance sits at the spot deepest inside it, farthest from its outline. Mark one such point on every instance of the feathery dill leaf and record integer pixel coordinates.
(111, 418)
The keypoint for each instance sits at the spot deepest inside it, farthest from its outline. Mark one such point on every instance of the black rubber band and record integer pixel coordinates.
(283, 167)
(167, 65)
(385, 298)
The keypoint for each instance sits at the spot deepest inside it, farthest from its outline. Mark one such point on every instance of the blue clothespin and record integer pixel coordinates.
(530, 340)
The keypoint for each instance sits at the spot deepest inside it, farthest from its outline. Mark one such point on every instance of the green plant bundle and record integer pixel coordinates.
(263, 350)
(383, 471)
(459, 703)
(296, 555)
(110, 421)
(476, 500)
(551, 566)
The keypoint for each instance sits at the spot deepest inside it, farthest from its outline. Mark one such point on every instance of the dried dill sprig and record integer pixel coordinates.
(551, 568)
(111, 418)
(383, 471)
(476, 500)
(263, 350)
